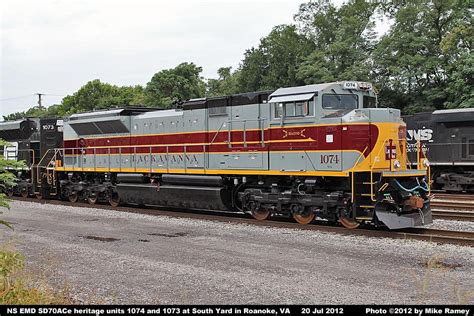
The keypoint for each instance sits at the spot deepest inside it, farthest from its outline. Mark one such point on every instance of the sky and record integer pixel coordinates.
(56, 46)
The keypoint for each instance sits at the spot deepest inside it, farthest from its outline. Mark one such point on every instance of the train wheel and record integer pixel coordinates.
(73, 197)
(260, 214)
(24, 193)
(349, 223)
(92, 199)
(114, 200)
(304, 217)
(39, 196)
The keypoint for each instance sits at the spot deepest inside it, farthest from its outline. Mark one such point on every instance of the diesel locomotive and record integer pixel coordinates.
(29, 140)
(322, 150)
(447, 140)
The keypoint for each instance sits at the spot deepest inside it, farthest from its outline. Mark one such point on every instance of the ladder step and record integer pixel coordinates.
(368, 182)
(367, 206)
(364, 218)
(367, 194)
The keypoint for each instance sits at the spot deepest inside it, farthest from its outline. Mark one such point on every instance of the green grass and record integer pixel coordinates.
(16, 288)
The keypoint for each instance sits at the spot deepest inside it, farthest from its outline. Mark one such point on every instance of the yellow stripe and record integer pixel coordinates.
(211, 171)
(218, 172)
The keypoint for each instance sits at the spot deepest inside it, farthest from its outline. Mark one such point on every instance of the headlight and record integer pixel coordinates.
(397, 164)
(426, 163)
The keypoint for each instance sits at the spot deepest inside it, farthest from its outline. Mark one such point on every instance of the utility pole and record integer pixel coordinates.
(40, 106)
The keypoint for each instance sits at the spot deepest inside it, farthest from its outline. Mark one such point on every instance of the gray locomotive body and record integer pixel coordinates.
(319, 150)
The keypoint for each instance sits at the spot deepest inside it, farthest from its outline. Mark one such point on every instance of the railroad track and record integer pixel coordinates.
(425, 234)
(455, 197)
(453, 215)
(452, 205)
(439, 236)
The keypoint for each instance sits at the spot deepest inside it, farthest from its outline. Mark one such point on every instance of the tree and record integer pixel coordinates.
(274, 63)
(425, 60)
(7, 179)
(457, 45)
(344, 39)
(226, 84)
(92, 96)
(35, 111)
(97, 95)
(171, 85)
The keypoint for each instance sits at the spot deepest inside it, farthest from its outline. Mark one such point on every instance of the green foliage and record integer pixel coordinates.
(171, 85)
(274, 63)
(7, 179)
(344, 39)
(14, 288)
(92, 96)
(425, 58)
(97, 95)
(423, 62)
(10, 262)
(35, 111)
(226, 84)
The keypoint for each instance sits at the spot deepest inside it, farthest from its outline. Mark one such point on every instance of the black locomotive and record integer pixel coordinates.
(29, 140)
(446, 138)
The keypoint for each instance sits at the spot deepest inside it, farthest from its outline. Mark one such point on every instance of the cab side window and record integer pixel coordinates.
(369, 102)
(294, 109)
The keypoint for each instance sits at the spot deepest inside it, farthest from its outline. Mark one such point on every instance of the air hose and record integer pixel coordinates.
(419, 186)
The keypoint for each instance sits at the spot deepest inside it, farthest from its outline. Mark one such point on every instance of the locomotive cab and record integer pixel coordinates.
(367, 144)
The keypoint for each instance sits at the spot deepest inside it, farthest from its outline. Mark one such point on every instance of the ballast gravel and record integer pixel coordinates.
(115, 257)
(452, 225)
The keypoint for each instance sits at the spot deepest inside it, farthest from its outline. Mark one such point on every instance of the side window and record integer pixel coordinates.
(300, 109)
(278, 110)
(464, 147)
(290, 109)
(369, 102)
(294, 109)
(471, 147)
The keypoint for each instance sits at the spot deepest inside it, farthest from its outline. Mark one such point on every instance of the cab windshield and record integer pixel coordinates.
(340, 101)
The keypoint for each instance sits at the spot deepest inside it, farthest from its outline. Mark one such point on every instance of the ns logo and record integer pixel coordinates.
(425, 134)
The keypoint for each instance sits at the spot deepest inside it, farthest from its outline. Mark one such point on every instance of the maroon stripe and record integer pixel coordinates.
(344, 137)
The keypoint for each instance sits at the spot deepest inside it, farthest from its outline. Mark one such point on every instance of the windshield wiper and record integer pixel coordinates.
(337, 96)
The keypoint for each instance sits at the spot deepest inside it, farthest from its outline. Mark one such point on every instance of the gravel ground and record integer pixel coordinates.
(452, 225)
(115, 257)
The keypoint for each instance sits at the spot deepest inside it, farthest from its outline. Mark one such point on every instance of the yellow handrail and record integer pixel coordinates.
(39, 164)
(352, 171)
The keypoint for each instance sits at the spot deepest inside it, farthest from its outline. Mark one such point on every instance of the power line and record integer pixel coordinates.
(20, 97)
(32, 95)
(53, 95)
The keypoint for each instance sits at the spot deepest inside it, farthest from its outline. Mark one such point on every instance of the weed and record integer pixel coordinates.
(15, 288)
(438, 264)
